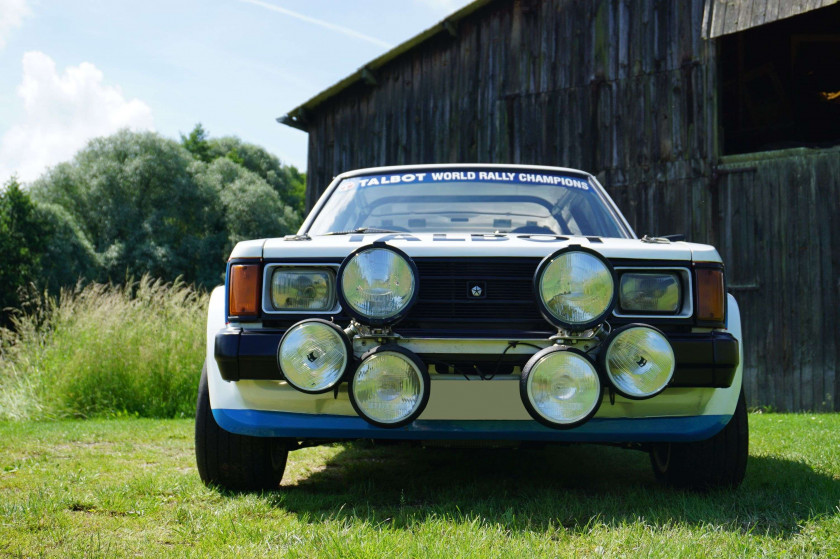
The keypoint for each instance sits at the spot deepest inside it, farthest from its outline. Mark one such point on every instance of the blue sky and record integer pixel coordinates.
(71, 70)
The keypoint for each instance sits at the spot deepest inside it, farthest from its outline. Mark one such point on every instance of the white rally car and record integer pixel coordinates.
(472, 303)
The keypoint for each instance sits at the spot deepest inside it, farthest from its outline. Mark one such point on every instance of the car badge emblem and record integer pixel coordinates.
(477, 291)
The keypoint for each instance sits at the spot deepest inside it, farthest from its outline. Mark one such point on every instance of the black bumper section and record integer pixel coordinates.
(703, 360)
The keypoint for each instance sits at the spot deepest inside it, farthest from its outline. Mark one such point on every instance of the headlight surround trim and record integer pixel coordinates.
(267, 308)
(551, 317)
(374, 321)
(302, 271)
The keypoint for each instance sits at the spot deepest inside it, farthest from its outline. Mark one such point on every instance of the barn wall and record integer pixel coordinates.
(627, 91)
(779, 236)
(612, 88)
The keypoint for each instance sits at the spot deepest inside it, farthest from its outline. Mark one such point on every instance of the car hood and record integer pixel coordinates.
(466, 245)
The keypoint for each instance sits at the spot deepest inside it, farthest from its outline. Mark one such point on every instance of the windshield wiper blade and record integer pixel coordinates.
(362, 230)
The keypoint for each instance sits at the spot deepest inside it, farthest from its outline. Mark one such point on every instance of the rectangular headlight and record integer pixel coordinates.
(302, 289)
(650, 292)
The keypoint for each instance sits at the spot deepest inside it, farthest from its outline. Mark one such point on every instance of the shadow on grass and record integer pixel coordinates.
(537, 490)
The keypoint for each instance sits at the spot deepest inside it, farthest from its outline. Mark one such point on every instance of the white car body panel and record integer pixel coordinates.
(467, 246)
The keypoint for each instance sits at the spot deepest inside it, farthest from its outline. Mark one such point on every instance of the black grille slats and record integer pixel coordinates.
(446, 298)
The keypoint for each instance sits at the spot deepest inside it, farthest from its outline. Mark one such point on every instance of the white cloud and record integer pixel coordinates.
(12, 13)
(61, 113)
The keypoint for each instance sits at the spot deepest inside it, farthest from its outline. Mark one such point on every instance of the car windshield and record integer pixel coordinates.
(470, 200)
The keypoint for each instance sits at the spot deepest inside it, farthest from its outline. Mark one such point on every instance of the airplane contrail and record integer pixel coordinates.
(325, 24)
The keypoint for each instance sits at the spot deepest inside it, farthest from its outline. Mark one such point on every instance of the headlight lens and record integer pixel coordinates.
(302, 289)
(377, 284)
(313, 355)
(390, 387)
(639, 361)
(560, 388)
(649, 292)
(575, 288)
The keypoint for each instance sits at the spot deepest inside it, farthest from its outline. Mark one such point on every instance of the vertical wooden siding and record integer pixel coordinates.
(624, 89)
(780, 239)
(615, 87)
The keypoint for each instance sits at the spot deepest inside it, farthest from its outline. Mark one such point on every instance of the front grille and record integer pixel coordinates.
(446, 301)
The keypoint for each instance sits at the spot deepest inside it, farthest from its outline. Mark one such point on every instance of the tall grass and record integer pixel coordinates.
(105, 350)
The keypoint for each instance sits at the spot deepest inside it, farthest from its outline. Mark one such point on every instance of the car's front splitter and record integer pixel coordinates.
(598, 430)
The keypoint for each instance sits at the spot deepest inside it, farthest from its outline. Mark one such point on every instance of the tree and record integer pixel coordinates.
(197, 144)
(23, 238)
(135, 197)
(69, 256)
(252, 209)
(286, 180)
(135, 203)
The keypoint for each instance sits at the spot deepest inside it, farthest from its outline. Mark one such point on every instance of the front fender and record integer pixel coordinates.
(223, 394)
(725, 400)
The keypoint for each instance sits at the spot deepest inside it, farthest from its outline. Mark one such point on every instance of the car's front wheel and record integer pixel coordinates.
(235, 462)
(718, 462)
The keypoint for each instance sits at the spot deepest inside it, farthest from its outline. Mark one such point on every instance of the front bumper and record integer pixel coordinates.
(598, 430)
(707, 360)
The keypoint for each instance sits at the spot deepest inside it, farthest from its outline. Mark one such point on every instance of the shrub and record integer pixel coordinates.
(23, 239)
(106, 350)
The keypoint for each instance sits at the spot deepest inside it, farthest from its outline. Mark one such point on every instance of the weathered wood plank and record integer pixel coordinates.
(730, 16)
(771, 11)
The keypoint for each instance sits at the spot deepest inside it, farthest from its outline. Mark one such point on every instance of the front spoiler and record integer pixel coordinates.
(301, 426)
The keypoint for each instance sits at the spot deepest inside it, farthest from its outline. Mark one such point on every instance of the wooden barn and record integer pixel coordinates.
(719, 119)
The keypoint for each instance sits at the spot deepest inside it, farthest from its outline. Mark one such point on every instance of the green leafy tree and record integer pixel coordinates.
(137, 203)
(197, 144)
(286, 180)
(251, 208)
(135, 197)
(23, 239)
(69, 256)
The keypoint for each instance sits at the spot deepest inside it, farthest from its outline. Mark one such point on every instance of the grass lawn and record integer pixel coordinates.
(130, 488)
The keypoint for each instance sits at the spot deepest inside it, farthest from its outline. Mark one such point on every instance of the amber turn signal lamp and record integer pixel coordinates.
(710, 295)
(244, 289)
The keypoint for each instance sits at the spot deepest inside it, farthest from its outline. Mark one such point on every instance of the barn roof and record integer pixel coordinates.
(723, 17)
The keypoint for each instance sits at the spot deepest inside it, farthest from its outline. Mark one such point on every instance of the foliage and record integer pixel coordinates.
(128, 488)
(196, 143)
(105, 350)
(251, 208)
(144, 204)
(69, 256)
(286, 180)
(23, 240)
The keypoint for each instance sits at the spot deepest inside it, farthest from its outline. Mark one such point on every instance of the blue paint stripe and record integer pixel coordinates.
(607, 430)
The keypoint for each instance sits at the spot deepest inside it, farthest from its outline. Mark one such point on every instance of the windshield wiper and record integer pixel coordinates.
(362, 230)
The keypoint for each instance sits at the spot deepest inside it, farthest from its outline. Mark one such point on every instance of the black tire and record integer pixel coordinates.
(719, 462)
(234, 462)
